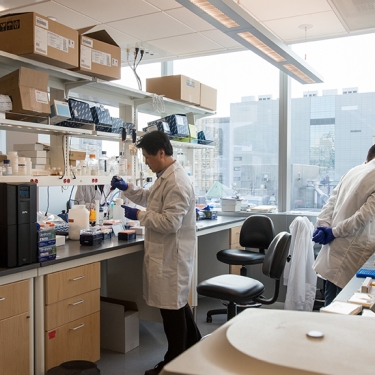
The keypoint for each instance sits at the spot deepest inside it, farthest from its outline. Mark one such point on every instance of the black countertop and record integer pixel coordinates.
(73, 250)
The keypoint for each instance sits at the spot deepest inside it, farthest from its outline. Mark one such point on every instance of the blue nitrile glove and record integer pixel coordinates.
(119, 183)
(130, 213)
(328, 234)
(318, 236)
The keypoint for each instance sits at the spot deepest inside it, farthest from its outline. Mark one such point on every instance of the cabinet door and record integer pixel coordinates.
(78, 340)
(70, 309)
(14, 299)
(14, 345)
(71, 282)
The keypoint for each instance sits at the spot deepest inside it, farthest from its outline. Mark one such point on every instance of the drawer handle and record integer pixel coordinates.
(77, 278)
(77, 303)
(2, 298)
(80, 326)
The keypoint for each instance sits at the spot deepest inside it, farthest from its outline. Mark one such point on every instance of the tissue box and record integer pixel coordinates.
(119, 325)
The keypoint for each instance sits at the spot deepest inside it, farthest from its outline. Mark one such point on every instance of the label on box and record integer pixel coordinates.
(57, 41)
(71, 43)
(87, 42)
(41, 22)
(41, 39)
(41, 97)
(85, 57)
(190, 82)
(114, 62)
(5, 103)
(101, 58)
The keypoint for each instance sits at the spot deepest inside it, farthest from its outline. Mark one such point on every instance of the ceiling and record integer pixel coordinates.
(167, 30)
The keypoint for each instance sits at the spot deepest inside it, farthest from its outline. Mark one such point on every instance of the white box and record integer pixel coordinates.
(28, 147)
(40, 161)
(60, 240)
(119, 325)
(230, 204)
(32, 154)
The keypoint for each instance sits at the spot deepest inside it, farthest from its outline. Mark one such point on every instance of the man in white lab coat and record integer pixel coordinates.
(170, 239)
(346, 227)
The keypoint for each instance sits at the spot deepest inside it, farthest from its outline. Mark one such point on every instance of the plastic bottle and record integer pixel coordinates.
(92, 216)
(93, 165)
(78, 220)
(22, 169)
(84, 168)
(103, 164)
(118, 211)
(13, 157)
(101, 216)
(8, 168)
(113, 166)
(29, 166)
(122, 164)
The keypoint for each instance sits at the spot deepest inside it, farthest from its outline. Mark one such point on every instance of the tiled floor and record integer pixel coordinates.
(153, 343)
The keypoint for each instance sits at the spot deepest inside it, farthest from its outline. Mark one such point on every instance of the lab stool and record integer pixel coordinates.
(75, 368)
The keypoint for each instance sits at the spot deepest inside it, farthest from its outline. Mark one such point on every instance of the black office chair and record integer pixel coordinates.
(257, 232)
(239, 290)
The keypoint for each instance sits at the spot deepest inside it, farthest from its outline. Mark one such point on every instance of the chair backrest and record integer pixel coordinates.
(275, 259)
(257, 232)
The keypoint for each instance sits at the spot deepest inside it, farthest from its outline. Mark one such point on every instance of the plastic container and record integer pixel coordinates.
(22, 169)
(104, 164)
(118, 211)
(122, 165)
(13, 157)
(113, 166)
(78, 220)
(29, 166)
(93, 165)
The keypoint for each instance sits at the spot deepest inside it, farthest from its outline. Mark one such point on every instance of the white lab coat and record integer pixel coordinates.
(170, 237)
(299, 277)
(87, 195)
(350, 212)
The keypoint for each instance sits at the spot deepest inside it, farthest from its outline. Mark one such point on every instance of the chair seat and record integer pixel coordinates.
(240, 257)
(232, 288)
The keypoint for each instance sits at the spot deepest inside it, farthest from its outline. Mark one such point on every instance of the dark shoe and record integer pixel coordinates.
(156, 369)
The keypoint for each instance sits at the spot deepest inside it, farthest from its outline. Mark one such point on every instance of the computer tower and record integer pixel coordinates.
(18, 228)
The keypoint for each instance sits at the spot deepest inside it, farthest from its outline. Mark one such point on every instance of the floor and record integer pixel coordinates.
(153, 344)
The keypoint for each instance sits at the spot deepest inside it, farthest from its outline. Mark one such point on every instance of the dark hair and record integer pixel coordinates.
(154, 141)
(371, 153)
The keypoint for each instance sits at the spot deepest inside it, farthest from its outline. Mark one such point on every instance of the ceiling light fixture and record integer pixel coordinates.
(236, 22)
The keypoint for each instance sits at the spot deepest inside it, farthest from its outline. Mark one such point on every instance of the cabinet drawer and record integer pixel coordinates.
(14, 345)
(234, 236)
(78, 340)
(14, 299)
(70, 309)
(72, 282)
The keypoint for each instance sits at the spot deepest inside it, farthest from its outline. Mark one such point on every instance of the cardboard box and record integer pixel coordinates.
(99, 55)
(119, 325)
(29, 147)
(77, 155)
(177, 87)
(208, 97)
(28, 89)
(39, 38)
(39, 161)
(32, 154)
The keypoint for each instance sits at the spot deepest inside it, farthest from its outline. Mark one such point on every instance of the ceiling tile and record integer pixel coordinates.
(275, 9)
(222, 39)
(185, 44)
(324, 25)
(164, 4)
(110, 10)
(8, 5)
(63, 15)
(151, 26)
(188, 18)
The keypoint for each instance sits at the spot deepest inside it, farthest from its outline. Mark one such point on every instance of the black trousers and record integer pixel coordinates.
(181, 331)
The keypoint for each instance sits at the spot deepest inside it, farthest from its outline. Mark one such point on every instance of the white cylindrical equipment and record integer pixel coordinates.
(78, 219)
(118, 211)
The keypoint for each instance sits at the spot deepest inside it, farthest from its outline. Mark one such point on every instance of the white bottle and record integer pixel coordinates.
(113, 166)
(29, 166)
(103, 164)
(122, 165)
(13, 157)
(22, 169)
(118, 211)
(93, 165)
(78, 219)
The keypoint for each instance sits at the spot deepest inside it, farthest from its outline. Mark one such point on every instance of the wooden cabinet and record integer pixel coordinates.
(14, 329)
(234, 243)
(72, 315)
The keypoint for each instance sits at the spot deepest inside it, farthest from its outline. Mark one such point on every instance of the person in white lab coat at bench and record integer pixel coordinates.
(170, 240)
(346, 227)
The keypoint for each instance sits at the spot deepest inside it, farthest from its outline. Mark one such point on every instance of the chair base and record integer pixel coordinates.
(229, 314)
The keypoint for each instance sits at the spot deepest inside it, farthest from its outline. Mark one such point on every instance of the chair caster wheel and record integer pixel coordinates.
(209, 319)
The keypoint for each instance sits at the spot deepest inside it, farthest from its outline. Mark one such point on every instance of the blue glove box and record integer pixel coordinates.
(178, 125)
(80, 111)
(102, 119)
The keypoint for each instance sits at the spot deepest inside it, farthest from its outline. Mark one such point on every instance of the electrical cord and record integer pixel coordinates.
(140, 53)
(47, 201)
